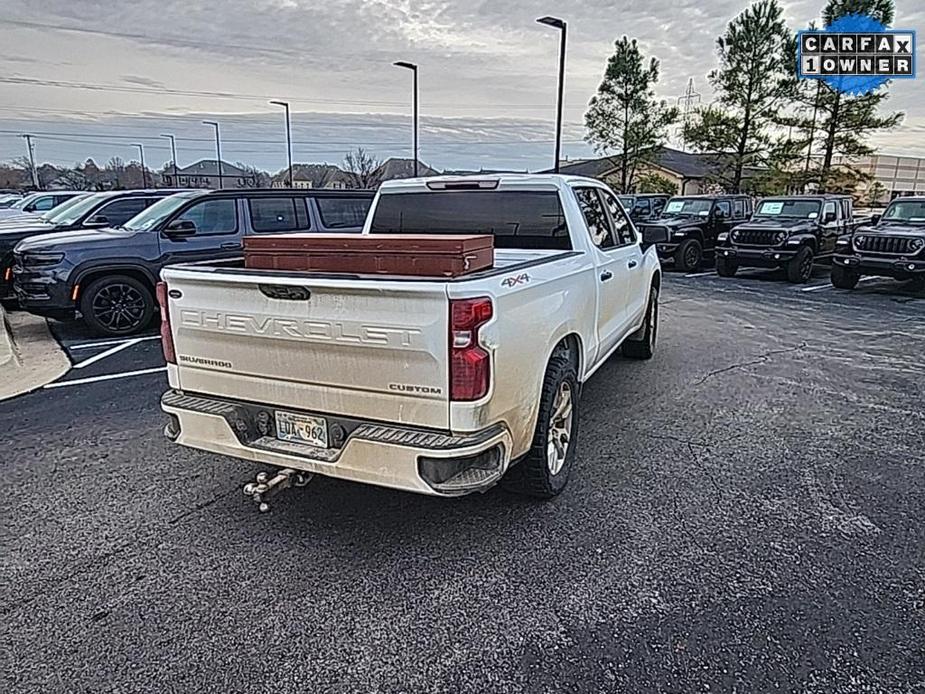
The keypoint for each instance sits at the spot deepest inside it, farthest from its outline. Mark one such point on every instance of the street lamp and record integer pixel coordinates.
(557, 23)
(218, 151)
(285, 105)
(173, 155)
(144, 171)
(414, 69)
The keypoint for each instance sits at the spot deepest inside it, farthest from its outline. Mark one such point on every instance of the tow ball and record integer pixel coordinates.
(264, 487)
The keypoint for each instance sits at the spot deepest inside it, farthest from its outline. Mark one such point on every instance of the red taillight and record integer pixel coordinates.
(166, 337)
(470, 364)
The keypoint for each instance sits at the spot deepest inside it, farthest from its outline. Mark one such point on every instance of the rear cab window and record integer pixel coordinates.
(527, 219)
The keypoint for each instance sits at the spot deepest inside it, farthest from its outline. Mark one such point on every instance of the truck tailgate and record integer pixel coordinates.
(369, 349)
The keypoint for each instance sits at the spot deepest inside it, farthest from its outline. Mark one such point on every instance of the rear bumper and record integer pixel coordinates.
(757, 257)
(881, 267)
(413, 460)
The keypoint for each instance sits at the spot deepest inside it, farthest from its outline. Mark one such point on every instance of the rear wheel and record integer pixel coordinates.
(844, 278)
(644, 346)
(688, 256)
(117, 305)
(543, 472)
(800, 267)
(726, 267)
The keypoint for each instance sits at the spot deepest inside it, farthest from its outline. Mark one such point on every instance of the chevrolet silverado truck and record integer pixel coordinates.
(790, 232)
(431, 385)
(894, 246)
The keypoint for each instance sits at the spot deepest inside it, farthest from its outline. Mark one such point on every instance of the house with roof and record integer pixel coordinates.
(395, 167)
(306, 176)
(692, 173)
(205, 174)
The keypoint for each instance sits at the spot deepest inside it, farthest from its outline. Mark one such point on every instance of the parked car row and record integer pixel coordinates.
(100, 258)
(794, 233)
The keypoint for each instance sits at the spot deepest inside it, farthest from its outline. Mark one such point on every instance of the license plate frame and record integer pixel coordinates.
(303, 429)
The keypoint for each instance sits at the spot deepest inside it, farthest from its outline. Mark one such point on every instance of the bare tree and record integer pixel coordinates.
(361, 167)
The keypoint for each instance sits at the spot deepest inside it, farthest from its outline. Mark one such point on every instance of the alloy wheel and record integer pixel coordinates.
(119, 307)
(560, 428)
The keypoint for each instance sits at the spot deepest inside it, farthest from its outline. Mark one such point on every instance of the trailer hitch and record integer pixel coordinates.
(265, 487)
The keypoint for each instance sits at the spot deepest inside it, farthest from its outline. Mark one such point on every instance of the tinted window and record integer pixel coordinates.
(43, 204)
(738, 208)
(641, 206)
(277, 214)
(595, 217)
(724, 207)
(527, 219)
(828, 210)
(343, 213)
(658, 204)
(212, 217)
(622, 228)
(120, 211)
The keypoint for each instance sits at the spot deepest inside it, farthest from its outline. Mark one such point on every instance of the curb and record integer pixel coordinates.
(29, 356)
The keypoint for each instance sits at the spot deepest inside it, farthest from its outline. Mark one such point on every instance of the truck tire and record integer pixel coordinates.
(688, 256)
(117, 305)
(843, 278)
(544, 470)
(726, 267)
(644, 347)
(800, 267)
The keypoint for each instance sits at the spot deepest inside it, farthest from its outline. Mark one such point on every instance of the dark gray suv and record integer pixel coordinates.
(108, 276)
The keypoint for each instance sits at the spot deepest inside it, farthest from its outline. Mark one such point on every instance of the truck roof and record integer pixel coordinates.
(717, 196)
(819, 196)
(521, 180)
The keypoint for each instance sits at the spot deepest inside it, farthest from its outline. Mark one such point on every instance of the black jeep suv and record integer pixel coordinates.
(893, 247)
(108, 275)
(694, 223)
(87, 211)
(788, 232)
(642, 207)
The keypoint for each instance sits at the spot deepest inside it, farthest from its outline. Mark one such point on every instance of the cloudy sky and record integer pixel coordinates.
(91, 77)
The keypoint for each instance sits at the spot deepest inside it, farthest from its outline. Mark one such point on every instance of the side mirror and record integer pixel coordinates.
(653, 234)
(97, 221)
(180, 228)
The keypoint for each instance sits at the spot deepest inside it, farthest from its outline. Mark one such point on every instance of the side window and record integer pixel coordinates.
(725, 207)
(343, 213)
(828, 210)
(658, 204)
(119, 212)
(277, 214)
(43, 204)
(738, 208)
(846, 209)
(622, 228)
(642, 206)
(213, 217)
(595, 217)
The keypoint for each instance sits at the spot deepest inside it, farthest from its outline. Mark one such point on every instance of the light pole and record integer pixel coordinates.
(31, 148)
(414, 69)
(144, 171)
(562, 26)
(285, 105)
(173, 155)
(218, 151)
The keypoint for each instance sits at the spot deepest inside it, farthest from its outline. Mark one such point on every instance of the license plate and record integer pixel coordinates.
(299, 428)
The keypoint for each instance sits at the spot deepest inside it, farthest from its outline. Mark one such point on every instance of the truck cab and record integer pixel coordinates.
(693, 223)
(893, 246)
(790, 232)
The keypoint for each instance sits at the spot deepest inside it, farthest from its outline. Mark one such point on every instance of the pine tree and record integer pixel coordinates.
(624, 116)
(752, 84)
(842, 122)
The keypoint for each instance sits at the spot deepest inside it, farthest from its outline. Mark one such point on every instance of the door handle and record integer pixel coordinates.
(606, 275)
(226, 246)
(631, 264)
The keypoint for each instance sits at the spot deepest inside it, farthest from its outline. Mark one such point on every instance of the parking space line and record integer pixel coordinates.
(108, 353)
(831, 286)
(107, 343)
(107, 377)
(701, 274)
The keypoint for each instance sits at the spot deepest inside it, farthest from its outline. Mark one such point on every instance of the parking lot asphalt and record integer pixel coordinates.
(747, 514)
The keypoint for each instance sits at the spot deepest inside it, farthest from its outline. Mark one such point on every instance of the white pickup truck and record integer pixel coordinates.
(437, 386)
